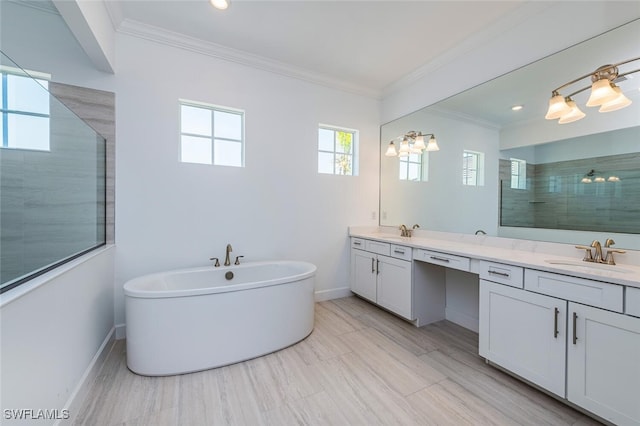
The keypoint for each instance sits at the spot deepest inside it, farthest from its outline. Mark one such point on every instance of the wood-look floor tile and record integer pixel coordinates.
(360, 366)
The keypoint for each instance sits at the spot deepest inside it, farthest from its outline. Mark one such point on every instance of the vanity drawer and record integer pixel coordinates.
(502, 274)
(401, 252)
(377, 247)
(357, 243)
(589, 292)
(448, 260)
(632, 302)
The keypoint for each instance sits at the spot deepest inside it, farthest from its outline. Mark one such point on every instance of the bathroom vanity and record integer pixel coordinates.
(569, 327)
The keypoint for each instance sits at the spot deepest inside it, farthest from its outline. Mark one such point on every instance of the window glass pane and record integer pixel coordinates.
(195, 120)
(325, 140)
(28, 132)
(26, 94)
(344, 142)
(227, 153)
(325, 162)
(196, 150)
(403, 170)
(414, 171)
(343, 164)
(227, 125)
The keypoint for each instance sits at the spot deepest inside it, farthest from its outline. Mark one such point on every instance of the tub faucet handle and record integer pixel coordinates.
(237, 262)
(217, 261)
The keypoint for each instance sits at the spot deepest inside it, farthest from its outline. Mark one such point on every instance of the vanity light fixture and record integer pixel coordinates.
(591, 177)
(220, 4)
(412, 143)
(604, 93)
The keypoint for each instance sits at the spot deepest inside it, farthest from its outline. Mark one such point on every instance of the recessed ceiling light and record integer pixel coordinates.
(220, 4)
(517, 107)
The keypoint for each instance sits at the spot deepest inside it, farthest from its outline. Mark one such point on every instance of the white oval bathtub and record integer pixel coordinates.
(195, 319)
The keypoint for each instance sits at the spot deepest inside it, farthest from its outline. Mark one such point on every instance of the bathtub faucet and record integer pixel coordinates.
(227, 261)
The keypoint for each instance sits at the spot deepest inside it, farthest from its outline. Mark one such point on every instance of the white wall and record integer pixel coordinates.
(51, 334)
(172, 215)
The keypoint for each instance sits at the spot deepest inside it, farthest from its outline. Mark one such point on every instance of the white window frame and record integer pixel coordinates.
(472, 176)
(212, 138)
(5, 112)
(423, 163)
(518, 173)
(334, 152)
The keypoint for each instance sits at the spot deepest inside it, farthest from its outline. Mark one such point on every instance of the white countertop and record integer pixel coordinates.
(534, 255)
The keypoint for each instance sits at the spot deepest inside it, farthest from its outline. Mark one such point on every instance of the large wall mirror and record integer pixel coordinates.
(516, 174)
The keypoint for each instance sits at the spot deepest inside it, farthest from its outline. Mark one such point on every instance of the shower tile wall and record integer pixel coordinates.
(556, 198)
(37, 190)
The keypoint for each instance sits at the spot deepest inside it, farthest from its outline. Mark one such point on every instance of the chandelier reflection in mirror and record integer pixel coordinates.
(412, 142)
(604, 93)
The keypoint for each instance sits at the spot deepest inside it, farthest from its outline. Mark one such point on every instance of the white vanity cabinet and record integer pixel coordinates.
(603, 363)
(522, 331)
(381, 273)
(545, 332)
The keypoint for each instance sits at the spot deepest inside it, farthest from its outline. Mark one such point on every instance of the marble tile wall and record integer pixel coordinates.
(556, 197)
(53, 204)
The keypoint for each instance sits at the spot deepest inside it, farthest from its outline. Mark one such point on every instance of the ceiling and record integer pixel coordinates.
(368, 45)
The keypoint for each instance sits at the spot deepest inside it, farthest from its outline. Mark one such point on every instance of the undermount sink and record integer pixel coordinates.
(588, 265)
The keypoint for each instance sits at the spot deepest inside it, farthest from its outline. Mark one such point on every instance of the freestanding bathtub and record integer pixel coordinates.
(195, 319)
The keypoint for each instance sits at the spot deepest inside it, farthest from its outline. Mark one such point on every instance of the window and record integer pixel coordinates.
(211, 134)
(414, 167)
(472, 168)
(336, 150)
(25, 110)
(518, 174)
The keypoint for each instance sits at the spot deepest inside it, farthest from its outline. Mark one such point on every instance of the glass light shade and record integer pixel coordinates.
(391, 151)
(220, 4)
(557, 107)
(613, 179)
(403, 154)
(619, 102)
(586, 180)
(419, 143)
(433, 144)
(416, 151)
(599, 179)
(404, 147)
(574, 114)
(601, 93)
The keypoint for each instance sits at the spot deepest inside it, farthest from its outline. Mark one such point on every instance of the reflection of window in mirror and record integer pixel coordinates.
(518, 174)
(555, 184)
(472, 168)
(415, 167)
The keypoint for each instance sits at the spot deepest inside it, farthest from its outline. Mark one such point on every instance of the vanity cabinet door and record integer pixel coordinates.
(363, 274)
(603, 358)
(525, 333)
(394, 286)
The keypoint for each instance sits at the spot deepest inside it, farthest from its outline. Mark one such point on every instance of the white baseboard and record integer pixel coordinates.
(462, 319)
(334, 293)
(121, 331)
(78, 395)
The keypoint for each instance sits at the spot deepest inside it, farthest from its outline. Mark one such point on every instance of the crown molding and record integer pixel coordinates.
(42, 6)
(455, 115)
(181, 41)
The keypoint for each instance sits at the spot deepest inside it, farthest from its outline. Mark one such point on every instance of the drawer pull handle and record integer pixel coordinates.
(373, 265)
(399, 251)
(556, 311)
(502, 274)
(357, 243)
(441, 259)
(575, 320)
(377, 267)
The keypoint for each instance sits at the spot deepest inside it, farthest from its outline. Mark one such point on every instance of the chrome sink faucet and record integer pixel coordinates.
(227, 260)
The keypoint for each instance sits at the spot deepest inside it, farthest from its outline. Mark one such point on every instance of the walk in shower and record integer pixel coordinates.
(52, 179)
